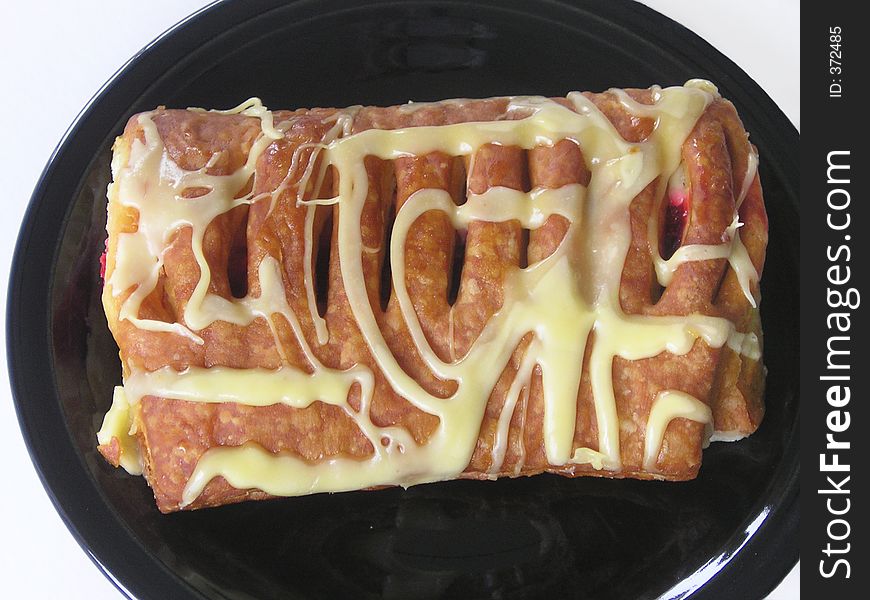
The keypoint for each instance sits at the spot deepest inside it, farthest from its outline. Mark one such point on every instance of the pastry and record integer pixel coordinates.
(327, 300)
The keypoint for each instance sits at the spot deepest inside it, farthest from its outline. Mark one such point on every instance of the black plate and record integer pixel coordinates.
(730, 533)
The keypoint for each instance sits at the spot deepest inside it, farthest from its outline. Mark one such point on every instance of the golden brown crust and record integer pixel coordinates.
(174, 434)
(111, 451)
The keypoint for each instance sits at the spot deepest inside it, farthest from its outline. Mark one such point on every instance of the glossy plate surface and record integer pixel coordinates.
(730, 533)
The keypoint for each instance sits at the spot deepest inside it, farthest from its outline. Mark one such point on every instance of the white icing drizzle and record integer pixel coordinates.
(343, 123)
(582, 276)
(153, 184)
(747, 274)
(118, 423)
(669, 405)
(519, 388)
(252, 107)
(703, 84)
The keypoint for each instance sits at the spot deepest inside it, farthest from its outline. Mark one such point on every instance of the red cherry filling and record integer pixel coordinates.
(103, 260)
(676, 214)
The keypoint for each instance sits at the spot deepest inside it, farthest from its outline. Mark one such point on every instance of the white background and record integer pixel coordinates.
(55, 55)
